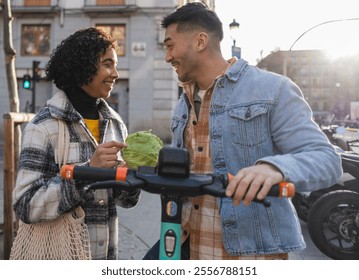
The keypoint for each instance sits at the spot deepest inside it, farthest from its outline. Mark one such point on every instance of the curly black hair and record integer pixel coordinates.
(73, 62)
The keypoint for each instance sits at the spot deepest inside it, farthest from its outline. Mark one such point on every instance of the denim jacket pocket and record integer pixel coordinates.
(174, 124)
(249, 124)
(177, 128)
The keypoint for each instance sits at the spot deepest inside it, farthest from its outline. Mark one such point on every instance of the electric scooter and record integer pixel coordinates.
(171, 178)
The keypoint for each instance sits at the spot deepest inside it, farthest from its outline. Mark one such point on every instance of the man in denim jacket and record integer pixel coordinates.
(235, 118)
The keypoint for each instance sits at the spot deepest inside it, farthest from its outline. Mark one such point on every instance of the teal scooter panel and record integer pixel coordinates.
(170, 241)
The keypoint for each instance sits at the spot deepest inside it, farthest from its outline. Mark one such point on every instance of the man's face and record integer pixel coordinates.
(106, 75)
(180, 52)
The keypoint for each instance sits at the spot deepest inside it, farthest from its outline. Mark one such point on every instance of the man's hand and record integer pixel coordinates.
(245, 185)
(106, 154)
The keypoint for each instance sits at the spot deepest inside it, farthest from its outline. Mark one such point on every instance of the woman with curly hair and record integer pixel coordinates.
(83, 68)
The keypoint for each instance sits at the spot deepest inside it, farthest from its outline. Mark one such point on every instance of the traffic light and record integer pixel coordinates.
(26, 82)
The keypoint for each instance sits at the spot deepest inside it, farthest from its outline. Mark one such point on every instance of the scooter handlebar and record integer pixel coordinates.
(151, 182)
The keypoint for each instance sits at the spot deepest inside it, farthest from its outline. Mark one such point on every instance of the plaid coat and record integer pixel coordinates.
(41, 194)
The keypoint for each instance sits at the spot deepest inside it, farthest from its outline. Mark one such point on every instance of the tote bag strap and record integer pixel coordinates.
(63, 144)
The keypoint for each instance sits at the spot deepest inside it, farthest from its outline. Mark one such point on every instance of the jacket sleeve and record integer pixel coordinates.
(306, 157)
(40, 193)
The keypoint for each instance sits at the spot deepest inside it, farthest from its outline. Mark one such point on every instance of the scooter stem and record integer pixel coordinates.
(171, 217)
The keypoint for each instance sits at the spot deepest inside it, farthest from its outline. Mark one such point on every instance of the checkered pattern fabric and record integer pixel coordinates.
(40, 193)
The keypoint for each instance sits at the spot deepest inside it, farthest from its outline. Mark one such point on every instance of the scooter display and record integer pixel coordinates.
(333, 218)
(171, 179)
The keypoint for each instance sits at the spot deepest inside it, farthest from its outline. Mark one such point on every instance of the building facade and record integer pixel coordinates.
(330, 86)
(147, 89)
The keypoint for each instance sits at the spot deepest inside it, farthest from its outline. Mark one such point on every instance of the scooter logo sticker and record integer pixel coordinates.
(170, 242)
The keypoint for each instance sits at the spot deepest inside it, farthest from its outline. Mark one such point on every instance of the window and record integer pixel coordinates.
(304, 82)
(35, 40)
(315, 82)
(117, 32)
(303, 71)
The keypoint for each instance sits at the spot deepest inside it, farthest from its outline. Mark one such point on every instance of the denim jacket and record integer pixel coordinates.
(258, 116)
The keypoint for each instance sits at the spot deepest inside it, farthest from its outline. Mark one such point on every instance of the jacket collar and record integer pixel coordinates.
(61, 108)
(236, 69)
(233, 71)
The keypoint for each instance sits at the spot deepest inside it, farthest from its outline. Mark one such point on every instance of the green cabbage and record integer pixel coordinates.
(143, 149)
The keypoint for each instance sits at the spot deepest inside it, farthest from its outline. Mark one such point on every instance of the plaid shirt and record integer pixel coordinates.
(201, 218)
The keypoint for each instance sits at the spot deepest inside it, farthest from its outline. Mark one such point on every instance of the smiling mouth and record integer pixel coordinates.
(110, 84)
(175, 66)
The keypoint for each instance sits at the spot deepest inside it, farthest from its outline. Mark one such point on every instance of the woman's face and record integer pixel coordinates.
(102, 83)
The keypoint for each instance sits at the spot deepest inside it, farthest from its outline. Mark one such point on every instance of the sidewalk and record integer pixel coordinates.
(139, 227)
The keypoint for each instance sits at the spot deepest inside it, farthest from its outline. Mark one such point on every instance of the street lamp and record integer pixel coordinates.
(234, 31)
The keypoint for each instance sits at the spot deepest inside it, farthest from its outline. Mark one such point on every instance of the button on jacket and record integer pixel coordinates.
(258, 116)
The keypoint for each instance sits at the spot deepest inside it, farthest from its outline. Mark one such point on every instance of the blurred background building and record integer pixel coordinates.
(147, 89)
(330, 86)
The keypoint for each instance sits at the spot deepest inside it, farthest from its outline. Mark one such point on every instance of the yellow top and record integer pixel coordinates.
(94, 127)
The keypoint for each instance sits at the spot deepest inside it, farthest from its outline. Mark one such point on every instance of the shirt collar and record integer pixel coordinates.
(190, 87)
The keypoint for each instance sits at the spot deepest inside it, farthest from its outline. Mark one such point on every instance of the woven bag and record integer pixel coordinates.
(64, 238)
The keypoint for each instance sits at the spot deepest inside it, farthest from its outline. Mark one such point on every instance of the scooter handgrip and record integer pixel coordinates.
(283, 189)
(87, 173)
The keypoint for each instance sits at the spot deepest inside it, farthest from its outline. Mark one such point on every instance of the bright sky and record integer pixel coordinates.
(267, 25)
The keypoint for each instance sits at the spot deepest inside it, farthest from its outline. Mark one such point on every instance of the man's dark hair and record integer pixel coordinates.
(193, 16)
(74, 61)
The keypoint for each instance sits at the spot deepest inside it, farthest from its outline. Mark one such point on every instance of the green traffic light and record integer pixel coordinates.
(27, 84)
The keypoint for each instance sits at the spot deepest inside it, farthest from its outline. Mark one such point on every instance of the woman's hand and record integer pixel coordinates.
(105, 154)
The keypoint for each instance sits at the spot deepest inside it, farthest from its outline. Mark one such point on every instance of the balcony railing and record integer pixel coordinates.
(32, 3)
(94, 7)
(26, 7)
(110, 2)
(92, 3)
(18, 4)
